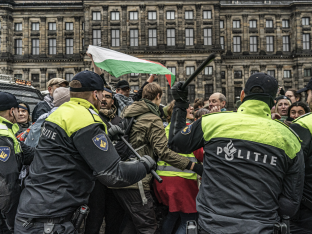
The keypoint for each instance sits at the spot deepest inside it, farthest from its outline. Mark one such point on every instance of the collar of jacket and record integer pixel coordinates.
(84, 103)
(255, 107)
(13, 127)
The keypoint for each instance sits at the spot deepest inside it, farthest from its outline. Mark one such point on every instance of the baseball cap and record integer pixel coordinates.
(266, 82)
(57, 81)
(89, 80)
(122, 84)
(7, 101)
(308, 87)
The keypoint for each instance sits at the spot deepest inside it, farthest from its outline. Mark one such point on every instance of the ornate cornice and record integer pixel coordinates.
(43, 70)
(77, 69)
(180, 63)
(60, 18)
(262, 66)
(278, 16)
(279, 66)
(228, 16)
(25, 70)
(199, 62)
(261, 16)
(245, 15)
(60, 69)
(229, 66)
(105, 8)
(43, 19)
(124, 7)
(142, 7)
(161, 6)
(198, 6)
(77, 18)
(179, 6)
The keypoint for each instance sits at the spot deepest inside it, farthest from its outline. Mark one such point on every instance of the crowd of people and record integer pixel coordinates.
(70, 153)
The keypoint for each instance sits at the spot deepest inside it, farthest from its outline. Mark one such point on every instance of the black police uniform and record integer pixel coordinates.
(11, 160)
(73, 151)
(253, 165)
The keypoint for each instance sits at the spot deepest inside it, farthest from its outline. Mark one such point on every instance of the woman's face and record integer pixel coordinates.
(189, 111)
(296, 111)
(282, 107)
(22, 115)
(291, 96)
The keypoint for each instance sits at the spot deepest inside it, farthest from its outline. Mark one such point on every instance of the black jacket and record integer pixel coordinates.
(40, 109)
(72, 153)
(253, 168)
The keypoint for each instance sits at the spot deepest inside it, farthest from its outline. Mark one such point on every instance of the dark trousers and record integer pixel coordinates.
(141, 219)
(102, 203)
(38, 228)
(301, 223)
(3, 227)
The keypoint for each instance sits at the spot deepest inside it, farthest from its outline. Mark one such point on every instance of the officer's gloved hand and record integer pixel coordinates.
(198, 168)
(148, 162)
(179, 95)
(115, 132)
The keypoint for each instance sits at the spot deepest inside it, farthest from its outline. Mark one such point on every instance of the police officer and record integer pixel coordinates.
(73, 151)
(11, 160)
(302, 221)
(253, 166)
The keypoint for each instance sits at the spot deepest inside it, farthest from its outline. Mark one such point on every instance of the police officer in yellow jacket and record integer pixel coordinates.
(73, 151)
(11, 160)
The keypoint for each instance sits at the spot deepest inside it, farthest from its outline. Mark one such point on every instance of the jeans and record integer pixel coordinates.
(172, 218)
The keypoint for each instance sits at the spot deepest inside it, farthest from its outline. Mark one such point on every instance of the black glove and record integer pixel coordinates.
(115, 132)
(198, 168)
(148, 162)
(178, 94)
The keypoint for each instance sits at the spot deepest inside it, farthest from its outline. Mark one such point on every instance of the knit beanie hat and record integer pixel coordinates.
(60, 96)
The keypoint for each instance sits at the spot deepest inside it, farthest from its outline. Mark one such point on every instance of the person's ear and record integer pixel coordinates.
(242, 95)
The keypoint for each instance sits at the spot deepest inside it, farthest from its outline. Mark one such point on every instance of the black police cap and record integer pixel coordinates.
(89, 80)
(122, 84)
(7, 101)
(264, 81)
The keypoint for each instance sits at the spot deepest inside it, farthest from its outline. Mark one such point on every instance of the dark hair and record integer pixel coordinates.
(297, 95)
(197, 103)
(303, 105)
(201, 112)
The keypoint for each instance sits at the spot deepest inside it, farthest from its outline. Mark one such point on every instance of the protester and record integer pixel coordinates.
(206, 101)
(102, 202)
(245, 185)
(148, 136)
(190, 114)
(198, 104)
(293, 95)
(178, 191)
(23, 119)
(296, 110)
(47, 104)
(73, 151)
(308, 90)
(61, 95)
(200, 113)
(12, 155)
(281, 107)
(217, 102)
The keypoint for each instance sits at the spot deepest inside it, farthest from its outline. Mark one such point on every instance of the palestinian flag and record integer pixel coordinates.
(118, 64)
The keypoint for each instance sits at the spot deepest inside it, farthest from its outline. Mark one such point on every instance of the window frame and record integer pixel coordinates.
(305, 21)
(236, 24)
(134, 38)
(170, 38)
(206, 13)
(114, 38)
(208, 71)
(35, 48)
(253, 45)
(238, 76)
(52, 47)
(269, 45)
(188, 14)
(97, 15)
(189, 36)
(69, 26)
(189, 70)
(286, 44)
(51, 25)
(237, 45)
(269, 71)
(18, 47)
(305, 72)
(287, 72)
(172, 69)
(152, 40)
(208, 89)
(134, 15)
(152, 13)
(191, 92)
(170, 14)
(268, 23)
(18, 29)
(222, 42)
(69, 49)
(221, 24)
(252, 23)
(71, 75)
(306, 44)
(35, 25)
(32, 77)
(114, 14)
(285, 23)
(207, 38)
(96, 37)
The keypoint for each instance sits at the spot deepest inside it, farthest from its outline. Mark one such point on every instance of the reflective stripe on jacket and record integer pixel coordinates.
(10, 133)
(165, 169)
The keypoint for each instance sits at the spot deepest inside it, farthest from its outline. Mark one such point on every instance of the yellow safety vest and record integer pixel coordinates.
(165, 169)
(10, 133)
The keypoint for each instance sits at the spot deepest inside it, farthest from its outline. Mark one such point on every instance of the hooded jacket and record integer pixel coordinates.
(148, 131)
(253, 168)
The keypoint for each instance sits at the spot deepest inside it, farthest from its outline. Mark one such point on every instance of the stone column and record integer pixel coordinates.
(180, 73)
(105, 32)
(142, 27)
(262, 42)
(60, 40)
(77, 70)
(300, 76)
(279, 76)
(279, 37)
(43, 79)
(77, 38)
(26, 38)
(216, 26)
(228, 33)
(88, 29)
(217, 75)
(246, 73)
(60, 71)
(230, 85)
(263, 68)
(43, 40)
(199, 91)
(160, 29)
(245, 38)
(26, 73)
(180, 27)
(198, 42)
(123, 31)
(298, 29)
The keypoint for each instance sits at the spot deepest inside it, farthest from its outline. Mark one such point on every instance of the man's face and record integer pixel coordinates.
(189, 112)
(124, 91)
(52, 88)
(107, 100)
(215, 101)
(291, 96)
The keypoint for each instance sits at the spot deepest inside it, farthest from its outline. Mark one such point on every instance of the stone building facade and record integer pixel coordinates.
(45, 39)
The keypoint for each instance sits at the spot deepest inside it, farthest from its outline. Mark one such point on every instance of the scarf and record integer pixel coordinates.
(109, 113)
(123, 101)
(152, 106)
(49, 100)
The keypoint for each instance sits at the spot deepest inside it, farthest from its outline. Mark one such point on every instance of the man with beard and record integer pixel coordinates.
(102, 202)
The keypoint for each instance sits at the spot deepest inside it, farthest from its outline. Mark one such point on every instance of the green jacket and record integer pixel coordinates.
(148, 131)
